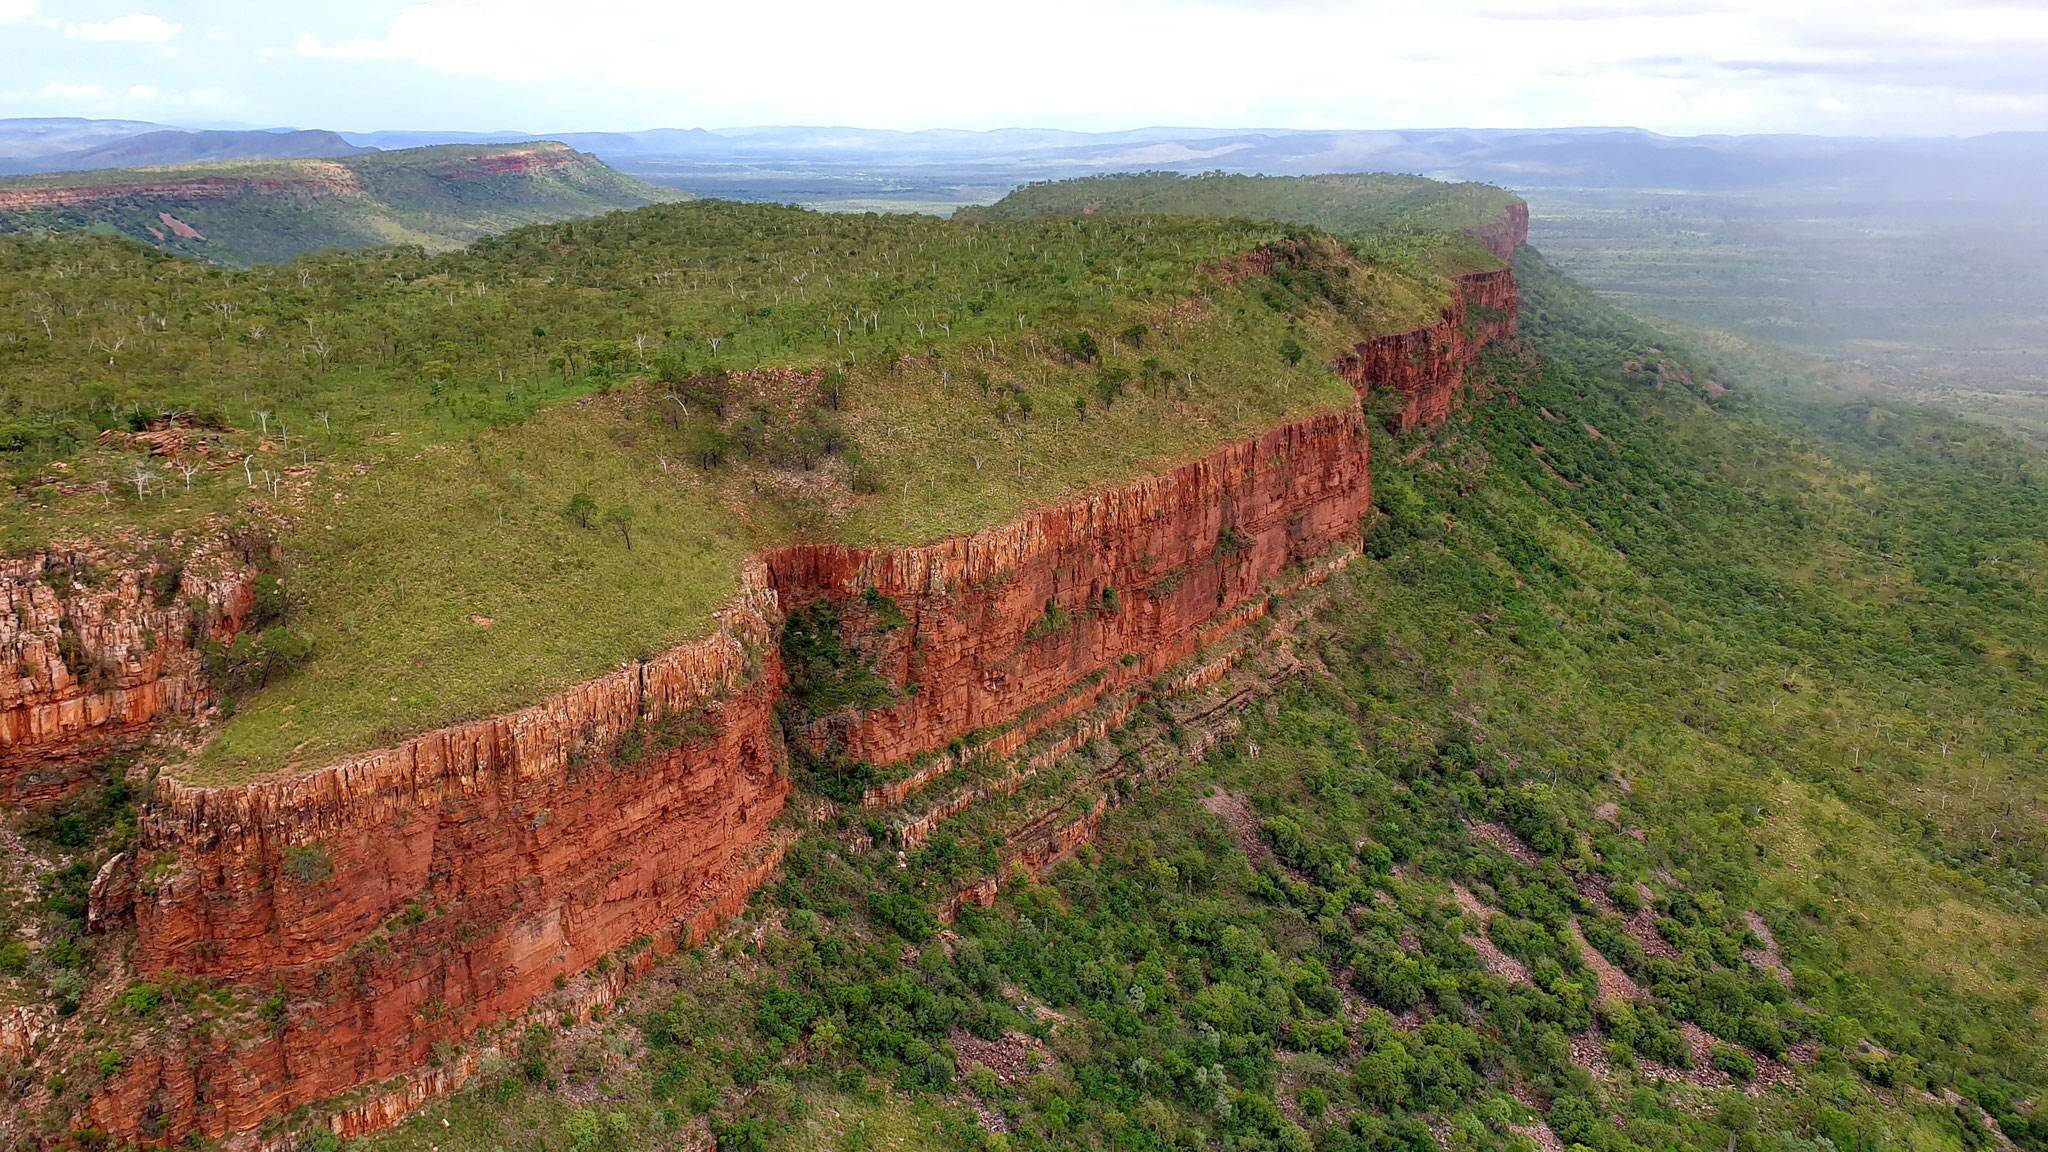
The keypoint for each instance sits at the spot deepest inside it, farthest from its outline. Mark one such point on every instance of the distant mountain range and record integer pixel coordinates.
(710, 160)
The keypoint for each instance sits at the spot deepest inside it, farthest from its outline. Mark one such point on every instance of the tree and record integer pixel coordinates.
(621, 517)
(832, 389)
(581, 509)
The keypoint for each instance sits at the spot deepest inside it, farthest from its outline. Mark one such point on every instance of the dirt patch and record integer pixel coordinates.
(1614, 983)
(1010, 1058)
(1499, 836)
(1767, 957)
(1610, 812)
(1643, 926)
(1471, 905)
(1236, 813)
(1498, 962)
(1591, 886)
(1540, 1134)
(1590, 1052)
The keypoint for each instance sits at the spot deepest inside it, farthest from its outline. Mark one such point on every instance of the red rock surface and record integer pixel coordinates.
(326, 181)
(415, 895)
(1137, 571)
(132, 655)
(512, 163)
(1428, 365)
(1508, 233)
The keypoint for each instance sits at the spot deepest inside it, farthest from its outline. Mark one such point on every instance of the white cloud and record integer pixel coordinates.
(138, 26)
(12, 10)
(1679, 65)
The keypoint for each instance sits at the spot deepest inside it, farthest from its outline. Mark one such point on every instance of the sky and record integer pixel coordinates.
(1678, 66)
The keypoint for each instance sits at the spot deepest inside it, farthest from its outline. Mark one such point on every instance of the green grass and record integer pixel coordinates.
(1364, 206)
(435, 198)
(416, 392)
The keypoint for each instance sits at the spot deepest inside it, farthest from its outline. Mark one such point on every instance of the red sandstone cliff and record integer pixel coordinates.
(1142, 571)
(414, 895)
(323, 181)
(417, 895)
(1428, 365)
(1506, 234)
(95, 648)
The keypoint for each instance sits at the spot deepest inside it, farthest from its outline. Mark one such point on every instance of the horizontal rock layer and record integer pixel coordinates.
(411, 896)
(317, 181)
(94, 649)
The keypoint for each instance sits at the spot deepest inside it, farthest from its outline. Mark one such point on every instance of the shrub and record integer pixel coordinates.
(308, 863)
(141, 999)
(1732, 1060)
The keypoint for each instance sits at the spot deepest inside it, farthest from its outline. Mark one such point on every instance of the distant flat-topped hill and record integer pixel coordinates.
(248, 212)
(1377, 206)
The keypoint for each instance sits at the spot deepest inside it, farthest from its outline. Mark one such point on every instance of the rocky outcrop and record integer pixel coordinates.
(1427, 365)
(413, 896)
(514, 163)
(96, 647)
(1506, 234)
(320, 181)
(1113, 589)
(418, 896)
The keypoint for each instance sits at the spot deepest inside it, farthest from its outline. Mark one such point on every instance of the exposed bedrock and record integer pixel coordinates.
(95, 648)
(416, 896)
(1013, 619)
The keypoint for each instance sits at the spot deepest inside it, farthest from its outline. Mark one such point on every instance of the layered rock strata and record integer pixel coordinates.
(94, 649)
(1427, 365)
(408, 897)
(420, 895)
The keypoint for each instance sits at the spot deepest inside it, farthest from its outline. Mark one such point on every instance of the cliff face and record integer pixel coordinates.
(324, 181)
(512, 163)
(1428, 365)
(1508, 233)
(417, 895)
(1012, 620)
(414, 895)
(96, 648)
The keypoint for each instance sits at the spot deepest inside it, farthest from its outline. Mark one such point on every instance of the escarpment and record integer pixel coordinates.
(1119, 586)
(95, 648)
(317, 181)
(1427, 365)
(409, 901)
(408, 897)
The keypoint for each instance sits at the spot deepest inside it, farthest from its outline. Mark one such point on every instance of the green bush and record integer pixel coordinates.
(141, 999)
(1732, 1060)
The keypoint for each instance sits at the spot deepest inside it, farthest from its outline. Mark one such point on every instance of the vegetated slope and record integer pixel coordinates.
(1660, 779)
(249, 212)
(1371, 208)
(457, 539)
